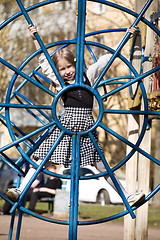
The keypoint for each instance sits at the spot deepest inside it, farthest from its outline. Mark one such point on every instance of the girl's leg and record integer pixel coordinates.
(133, 199)
(100, 167)
(28, 176)
(14, 193)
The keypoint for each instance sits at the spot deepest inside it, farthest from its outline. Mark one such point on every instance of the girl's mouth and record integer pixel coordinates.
(69, 76)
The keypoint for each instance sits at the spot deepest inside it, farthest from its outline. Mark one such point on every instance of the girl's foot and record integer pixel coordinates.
(13, 194)
(135, 198)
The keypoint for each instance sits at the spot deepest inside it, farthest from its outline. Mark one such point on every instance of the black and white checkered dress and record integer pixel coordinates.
(75, 120)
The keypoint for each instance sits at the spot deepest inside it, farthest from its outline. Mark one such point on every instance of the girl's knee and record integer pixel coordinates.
(100, 166)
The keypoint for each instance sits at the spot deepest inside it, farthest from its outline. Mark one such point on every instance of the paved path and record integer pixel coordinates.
(35, 229)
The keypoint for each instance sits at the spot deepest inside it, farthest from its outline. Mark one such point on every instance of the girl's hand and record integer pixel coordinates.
(132, 30)
(32, 30)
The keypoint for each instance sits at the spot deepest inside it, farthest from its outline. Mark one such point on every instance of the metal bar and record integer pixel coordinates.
(72, 189)
(37, 171)
(134, 146)
(14, 126)
(19, 225)
(14, 105)
(10, 163)
(112, 176)
(26, 136)
(119, 7)
(132, 81)
(11, 226)
(29, 111)
(75, 223)
(30, 102)
(24, 75)
(122, 43)
(134, 112)
(109, 80)
(29, 21)
(80, 41)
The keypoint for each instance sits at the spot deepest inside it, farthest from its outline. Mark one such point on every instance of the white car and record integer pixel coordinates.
(94, 190)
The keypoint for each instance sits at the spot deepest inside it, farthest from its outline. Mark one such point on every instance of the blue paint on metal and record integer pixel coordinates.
(122, 43)
(37, 108)
(112, 176)
(72, 192)
(80, 43)
(132, 81)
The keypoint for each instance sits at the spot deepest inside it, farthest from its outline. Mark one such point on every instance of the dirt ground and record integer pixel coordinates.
(35, 229)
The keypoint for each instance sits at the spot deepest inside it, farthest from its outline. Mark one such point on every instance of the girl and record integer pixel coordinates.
(78, 104)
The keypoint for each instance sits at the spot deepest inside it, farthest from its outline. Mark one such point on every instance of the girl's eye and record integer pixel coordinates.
(61, 69)
(69, 66)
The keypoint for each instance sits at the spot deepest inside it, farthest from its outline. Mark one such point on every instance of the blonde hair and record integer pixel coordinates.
(63, 53)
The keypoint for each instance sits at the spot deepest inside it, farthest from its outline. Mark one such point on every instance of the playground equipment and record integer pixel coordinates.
(15, 98)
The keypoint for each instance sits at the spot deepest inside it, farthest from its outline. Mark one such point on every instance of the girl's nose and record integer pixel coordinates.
(67, 70)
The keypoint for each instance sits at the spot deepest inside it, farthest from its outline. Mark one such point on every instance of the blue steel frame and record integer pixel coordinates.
(19, 137)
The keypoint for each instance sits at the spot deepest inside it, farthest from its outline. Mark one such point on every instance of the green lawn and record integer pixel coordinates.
(94, 211)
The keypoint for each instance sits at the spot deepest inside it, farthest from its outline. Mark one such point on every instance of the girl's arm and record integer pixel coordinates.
(33, 30)
(45, 66)
(95, 69)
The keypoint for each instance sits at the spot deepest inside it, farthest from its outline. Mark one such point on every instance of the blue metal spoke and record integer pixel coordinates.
(136, 15)
(46, 158)
(25, 210)
(122, 43)
(24, 75)
(111, 50)
(10, 163)
(29, 21)
(131, 82)
(26, 136)
(41, 75)
(17, 129)
(76, 204)
(32, 113)
(112, 176)
(134, 146)
(119, 7)
(111, 80)
(72, 187)
(132, 112)
(80, 41)
(40, 81)
(14, 105)
(147, 198)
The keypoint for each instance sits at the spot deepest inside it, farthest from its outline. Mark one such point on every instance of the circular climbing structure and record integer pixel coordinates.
(46, 112)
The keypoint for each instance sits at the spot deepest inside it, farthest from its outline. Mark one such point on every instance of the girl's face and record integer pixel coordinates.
(66, 70)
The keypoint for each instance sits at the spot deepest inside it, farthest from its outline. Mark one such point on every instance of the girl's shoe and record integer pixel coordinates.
(13, 194)
(136, 198)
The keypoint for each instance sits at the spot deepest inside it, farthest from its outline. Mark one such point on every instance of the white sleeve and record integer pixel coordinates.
(95, 69)
(47, 71)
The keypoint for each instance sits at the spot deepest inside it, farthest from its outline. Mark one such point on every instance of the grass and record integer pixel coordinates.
(154, 217)
(94, 211)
